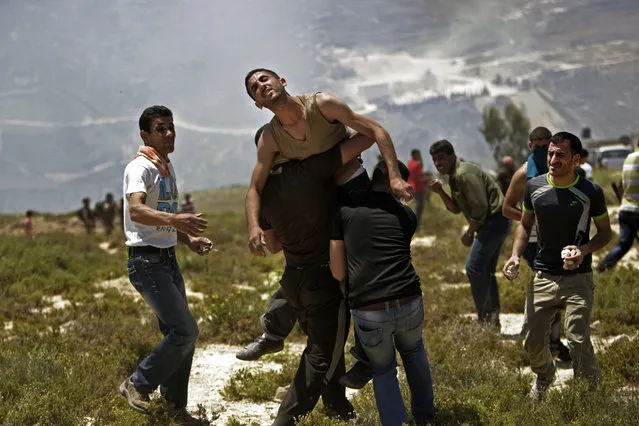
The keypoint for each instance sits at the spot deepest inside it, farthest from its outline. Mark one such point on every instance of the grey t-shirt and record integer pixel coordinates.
(563, 218)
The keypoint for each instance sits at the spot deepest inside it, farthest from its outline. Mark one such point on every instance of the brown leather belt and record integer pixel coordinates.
(389, 304)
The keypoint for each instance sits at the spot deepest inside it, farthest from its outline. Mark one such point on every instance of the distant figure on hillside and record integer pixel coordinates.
(420, 183)
(477, 195)
(505, 173)
(562, 205)
(121, 211)
(87, 216)
(187, 205)
(108, 211)
(153, 227)
(28, 225)
(585, 165)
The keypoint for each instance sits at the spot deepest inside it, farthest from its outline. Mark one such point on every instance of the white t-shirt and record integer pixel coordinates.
(141, 175)
(588, 169)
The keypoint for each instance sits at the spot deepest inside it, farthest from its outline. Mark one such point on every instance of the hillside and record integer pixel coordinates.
(68, 310)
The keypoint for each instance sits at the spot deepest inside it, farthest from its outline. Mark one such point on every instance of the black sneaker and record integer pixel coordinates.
(560, 351)
(357, 377)
(182, 417)
(137, 399)
(260, 346)
(344, 414)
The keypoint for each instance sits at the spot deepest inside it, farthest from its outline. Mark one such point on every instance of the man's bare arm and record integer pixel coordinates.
(354, 146)
(599, 241)
(522, 233)
(187, 223)
(334, 109)
(338, 260)
(515, 194)
(266, 150)
(273, 243)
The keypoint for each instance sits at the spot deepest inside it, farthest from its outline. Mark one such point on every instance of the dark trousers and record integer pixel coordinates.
(318, 302)
(279, 319)
(628, 227)
(482, 263)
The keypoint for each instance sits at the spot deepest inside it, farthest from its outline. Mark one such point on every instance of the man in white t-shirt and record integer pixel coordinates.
(585, 165)
(153, 227)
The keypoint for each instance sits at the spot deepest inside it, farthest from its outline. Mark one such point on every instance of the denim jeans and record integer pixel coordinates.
(159, 280)
(628, 227)
(404, 325)
(482, 263)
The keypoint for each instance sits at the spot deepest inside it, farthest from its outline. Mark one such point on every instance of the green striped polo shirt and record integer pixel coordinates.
(630, 180)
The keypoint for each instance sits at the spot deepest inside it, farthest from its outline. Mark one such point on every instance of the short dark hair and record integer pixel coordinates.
(250, 73)
(540, 134)
(574, 143)
(29, 213)
(259, 133)
(414, 151)
(380, 173)
(442, 146)
(584, 153)
(155, 111)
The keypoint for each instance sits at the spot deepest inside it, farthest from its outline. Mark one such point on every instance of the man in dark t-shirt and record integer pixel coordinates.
(370, 245)
(563, 204)
(297, 205)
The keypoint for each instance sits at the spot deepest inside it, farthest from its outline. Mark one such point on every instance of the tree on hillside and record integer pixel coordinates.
(518, 131)
(494, 130)
(507, 135)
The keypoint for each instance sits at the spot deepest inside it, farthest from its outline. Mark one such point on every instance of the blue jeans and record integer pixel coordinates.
(628, 227)
(482, 263)
(404, 325)
(159, 280)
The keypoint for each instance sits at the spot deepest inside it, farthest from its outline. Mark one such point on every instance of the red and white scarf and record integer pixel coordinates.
(153, 156)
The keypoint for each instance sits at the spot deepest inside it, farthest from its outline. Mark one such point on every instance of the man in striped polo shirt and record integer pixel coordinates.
(628, 214)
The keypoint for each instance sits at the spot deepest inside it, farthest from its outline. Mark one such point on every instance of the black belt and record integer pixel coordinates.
(307, 266)
(388, 304)
(150, 250)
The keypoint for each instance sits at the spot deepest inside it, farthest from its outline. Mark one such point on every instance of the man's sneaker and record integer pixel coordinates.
(541, 385)
(357, 377)
(137, 400)
(182, 417)
(561, 351)
(345, 413)
(260, 346)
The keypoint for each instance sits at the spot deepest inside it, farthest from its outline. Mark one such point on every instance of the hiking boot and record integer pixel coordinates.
(560, 351)
(357, 377)
(182, 417)
(541, 386)
(260, 346)
(138, 400)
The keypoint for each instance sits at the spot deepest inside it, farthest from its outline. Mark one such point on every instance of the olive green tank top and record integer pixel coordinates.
(321, 134)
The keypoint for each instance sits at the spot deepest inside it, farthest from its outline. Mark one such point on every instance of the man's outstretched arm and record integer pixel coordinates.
(265, 155)
(334, 109)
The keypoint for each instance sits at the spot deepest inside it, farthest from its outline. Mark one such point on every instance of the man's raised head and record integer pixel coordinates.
(250, 74)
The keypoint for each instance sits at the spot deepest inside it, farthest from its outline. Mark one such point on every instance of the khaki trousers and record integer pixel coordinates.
(547, 295)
